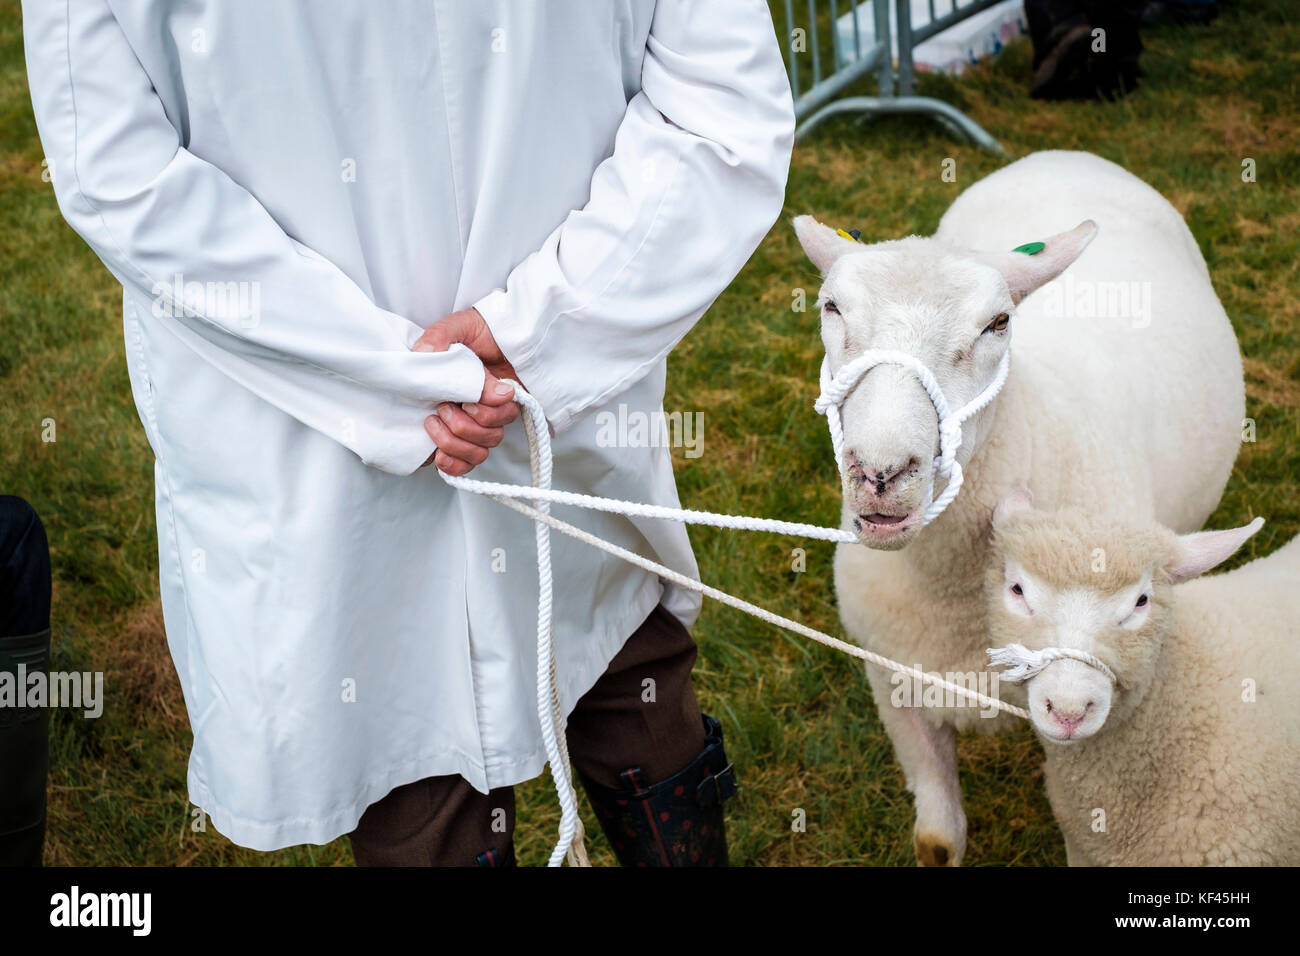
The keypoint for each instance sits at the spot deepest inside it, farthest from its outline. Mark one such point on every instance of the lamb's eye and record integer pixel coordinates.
(1142, 601)
(831, 307)
(1017, 590)
(999, 323)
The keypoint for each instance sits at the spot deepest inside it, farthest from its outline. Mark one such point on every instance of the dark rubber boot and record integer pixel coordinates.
(495, 857)
(24, 753)
(25, 641)
(1084, 49)
(1063, 72)
(676, 822)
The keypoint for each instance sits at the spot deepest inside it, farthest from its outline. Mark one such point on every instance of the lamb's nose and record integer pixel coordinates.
(1068, 717)
(880, 476)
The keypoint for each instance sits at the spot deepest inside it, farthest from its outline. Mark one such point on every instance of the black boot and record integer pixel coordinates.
(495, 857)
(25, 650)
(24, 753)
(1084, 49)
(676, 822)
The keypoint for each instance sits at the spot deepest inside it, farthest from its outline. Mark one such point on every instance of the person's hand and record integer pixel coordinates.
(464, 433)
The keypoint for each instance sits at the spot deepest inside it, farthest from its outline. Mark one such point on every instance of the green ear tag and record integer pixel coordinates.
(1030, 248)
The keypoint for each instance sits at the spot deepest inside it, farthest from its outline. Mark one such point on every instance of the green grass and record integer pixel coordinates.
(801, 726)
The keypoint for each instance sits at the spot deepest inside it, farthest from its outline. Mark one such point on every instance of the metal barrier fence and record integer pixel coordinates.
(821, 97)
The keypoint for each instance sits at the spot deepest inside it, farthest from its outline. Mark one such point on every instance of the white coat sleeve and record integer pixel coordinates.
(696, 178)
(318, 348)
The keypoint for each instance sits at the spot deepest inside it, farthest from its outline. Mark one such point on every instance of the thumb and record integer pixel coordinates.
(495, 391)
(444, 333)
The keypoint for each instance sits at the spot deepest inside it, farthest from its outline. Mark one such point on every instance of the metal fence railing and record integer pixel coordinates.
(821, 33)
(848, 66)
(910, 36)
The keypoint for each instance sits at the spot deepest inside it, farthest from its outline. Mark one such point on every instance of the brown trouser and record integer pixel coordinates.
(443, 821)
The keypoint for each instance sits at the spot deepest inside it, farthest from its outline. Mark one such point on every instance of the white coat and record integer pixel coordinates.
(289, 193)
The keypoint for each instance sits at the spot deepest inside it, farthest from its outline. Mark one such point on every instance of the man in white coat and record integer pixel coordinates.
(327, 219)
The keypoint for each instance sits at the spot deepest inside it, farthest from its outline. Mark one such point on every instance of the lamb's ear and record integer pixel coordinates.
(1196, 553)
(822, 244)
(1037, 263)
(1018, 499)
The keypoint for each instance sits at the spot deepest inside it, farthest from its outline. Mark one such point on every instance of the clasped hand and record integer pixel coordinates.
(465, 433)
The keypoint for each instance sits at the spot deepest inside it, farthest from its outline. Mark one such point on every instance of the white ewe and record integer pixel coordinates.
(1192, 756)
(1137, 409)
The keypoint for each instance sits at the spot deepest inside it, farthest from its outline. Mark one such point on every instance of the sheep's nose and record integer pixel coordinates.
(880, 476)
(1068, 716)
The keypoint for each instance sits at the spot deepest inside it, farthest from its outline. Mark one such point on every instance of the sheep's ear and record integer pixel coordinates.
(1017, 500)
(1196, 553)
(822, 244)
(1036, 263)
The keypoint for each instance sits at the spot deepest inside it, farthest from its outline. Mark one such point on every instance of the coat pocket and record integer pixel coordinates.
(137, 368)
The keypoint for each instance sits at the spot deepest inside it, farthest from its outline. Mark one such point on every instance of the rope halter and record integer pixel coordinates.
(835, 389)
(1025, 663)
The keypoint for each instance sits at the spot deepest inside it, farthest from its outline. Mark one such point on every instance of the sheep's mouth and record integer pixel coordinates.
(1062, 739)
(880, 528)
(884, 519)
(1075, 736)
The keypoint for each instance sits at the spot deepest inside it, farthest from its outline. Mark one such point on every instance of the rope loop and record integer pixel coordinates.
(1024, 663)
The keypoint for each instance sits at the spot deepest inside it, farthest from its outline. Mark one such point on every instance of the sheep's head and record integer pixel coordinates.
(949, 308)
(1069, 580)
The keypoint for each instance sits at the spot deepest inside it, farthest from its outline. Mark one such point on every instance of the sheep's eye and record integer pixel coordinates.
(1142, 601)
(831, 307)
(1017, 590)
(999, 323)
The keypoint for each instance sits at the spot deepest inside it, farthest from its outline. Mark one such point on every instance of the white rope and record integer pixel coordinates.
(740, 604)
(637, 509)
(1025, 663)
(550, 713)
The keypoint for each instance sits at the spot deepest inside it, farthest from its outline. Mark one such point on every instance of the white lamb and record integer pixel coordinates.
(1139, 413)
(1192, 756)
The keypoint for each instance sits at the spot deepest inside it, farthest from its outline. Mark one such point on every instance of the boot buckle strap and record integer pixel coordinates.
(716, 787)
